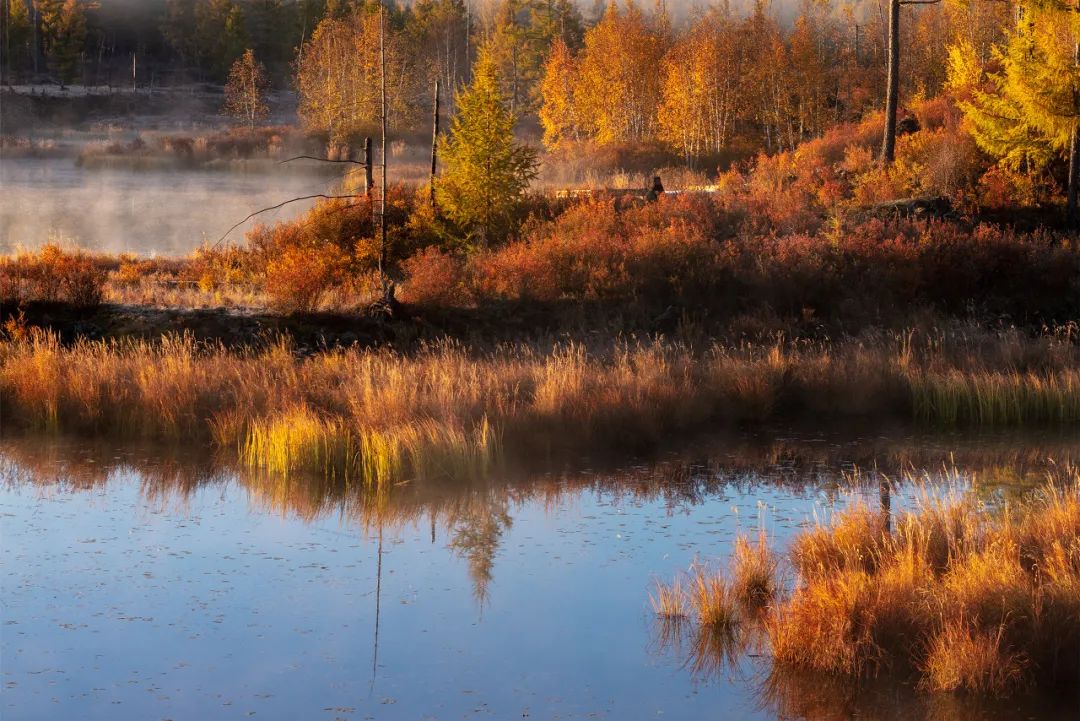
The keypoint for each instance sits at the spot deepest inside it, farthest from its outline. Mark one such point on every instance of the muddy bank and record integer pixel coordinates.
(231, 328)
(405, 327)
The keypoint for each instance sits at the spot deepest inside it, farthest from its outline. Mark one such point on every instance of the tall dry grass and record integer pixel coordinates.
(444, 410)
(965, 598)
(957, 596)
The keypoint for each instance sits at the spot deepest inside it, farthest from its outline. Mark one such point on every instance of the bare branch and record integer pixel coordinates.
(321, 160)
(281, 205)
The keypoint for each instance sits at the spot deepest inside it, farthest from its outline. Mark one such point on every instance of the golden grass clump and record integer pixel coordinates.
(851, 542)
(753, 571)
(965, 657)
(700, 593)
(967, 597)
(713, 599)
(669, 600)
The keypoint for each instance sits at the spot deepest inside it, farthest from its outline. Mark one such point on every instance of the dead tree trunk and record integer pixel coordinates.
(369, 165)
(388, 287)
(434, 144)
(892, 80)
(892, 76)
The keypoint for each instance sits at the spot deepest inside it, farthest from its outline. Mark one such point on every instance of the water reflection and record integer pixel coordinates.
(149, 582)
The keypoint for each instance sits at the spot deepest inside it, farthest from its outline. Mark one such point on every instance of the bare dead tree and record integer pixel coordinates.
(892, 88)
(434, 143)
(388, 288)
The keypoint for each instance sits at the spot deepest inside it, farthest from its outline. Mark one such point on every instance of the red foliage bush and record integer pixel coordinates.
(434, 278)
(52, 274)
(682, 253)
(299, 278)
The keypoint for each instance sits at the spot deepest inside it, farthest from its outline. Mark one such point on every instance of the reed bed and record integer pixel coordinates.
(955, 595)
(380, 415)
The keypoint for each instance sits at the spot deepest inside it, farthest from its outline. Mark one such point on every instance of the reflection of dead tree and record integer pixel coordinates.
(378, 604)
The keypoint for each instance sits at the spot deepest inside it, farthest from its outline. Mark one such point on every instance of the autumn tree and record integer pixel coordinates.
(1031, 111)
(558, 115)
(437, 33)
(338, 75)
(486, 172)
(245, 93)
(520, 41)
(701, 87)
(618, 88)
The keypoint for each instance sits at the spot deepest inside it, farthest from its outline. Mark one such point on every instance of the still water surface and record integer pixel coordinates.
(148, 583)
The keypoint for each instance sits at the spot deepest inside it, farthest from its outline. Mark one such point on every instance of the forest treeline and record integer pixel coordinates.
(710, 81)
(716, 83)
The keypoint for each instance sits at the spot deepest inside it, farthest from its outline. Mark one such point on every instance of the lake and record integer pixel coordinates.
(147, 212)
(144, 582)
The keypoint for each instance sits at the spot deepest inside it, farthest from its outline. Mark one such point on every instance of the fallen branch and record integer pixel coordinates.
(281, 205)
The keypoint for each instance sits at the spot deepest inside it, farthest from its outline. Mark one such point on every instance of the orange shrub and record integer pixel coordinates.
(52, 274)
(299, 278)
(434, 278)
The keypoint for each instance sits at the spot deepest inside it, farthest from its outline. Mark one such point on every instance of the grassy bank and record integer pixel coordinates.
(381, 415)
(954, 595)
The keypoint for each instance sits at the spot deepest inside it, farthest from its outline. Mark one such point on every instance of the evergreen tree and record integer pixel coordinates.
(17, 34)
(1030, 113)
(486, 172)
(65, 28)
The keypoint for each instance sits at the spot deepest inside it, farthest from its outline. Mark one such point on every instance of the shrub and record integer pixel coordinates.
(52, 274)
(299, 278)
(434, 278)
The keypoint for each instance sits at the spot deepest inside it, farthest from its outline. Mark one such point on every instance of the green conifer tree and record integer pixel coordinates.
(486, 172)
(68, 39)
(1030, 113)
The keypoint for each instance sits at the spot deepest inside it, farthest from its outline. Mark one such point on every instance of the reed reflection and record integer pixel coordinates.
(475, 514)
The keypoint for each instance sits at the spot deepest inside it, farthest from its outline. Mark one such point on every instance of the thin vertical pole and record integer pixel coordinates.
(434, 142)
(382, 196)
(369, 165)
(892, 90)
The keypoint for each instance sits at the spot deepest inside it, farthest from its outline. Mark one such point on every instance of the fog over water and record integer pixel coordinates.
(148, 212)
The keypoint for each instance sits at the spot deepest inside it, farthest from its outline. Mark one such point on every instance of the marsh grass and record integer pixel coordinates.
(753, 571)
(382, 415)
(713, 599)
(996, 398)
(669, 600)
(956, 595)
(966, 597)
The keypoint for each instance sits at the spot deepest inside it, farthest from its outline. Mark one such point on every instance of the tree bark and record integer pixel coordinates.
(434, 143)
(892, 89)
(1071, 212)
(388, 288)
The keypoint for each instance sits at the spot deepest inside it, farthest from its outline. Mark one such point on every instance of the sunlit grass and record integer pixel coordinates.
(958, 596)
(950, 593)
(753, 571)
(381, 415)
